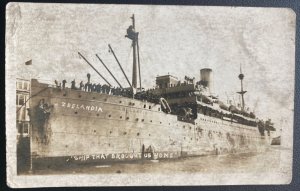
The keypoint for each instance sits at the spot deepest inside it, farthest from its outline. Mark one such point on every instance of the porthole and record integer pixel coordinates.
(120, 117)
(97, 114)
(120, 101)
(151, 121)
(110, 132)
(149, 106)
(79, 95)
(109, 115)
(144, 106)
(64, 94)
(127, 118)
(76, 112)
(94, 98)
(160, 122)
(149, 135)
(124, 133)
(143, 120)
(137, 119)
(138, 134)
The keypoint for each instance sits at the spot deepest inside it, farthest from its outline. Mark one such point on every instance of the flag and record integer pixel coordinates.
(29, 62)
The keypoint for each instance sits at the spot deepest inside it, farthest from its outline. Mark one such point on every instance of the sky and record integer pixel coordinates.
(176, 40)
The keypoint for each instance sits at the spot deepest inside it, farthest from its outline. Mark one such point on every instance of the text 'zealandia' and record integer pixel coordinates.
(81, 107)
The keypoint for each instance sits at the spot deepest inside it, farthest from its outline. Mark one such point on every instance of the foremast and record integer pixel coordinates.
(133, 36)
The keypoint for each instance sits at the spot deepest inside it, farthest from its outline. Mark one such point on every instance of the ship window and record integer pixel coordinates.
(110, 132)
(160, 122)
(149, 106)
(144, 106)
(137, 119)
(138, 134)
(158, 109)
(127, 118)
(79, 95)
(120, 101)
(151, 121)
(143, 120)
(64, 94)
(97, 114)
(109, 115)
(149, 135)
(124, 133)
(76, 112)
(120, 117)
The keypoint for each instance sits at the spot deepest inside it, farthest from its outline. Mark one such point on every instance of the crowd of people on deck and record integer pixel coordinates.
(96, 87)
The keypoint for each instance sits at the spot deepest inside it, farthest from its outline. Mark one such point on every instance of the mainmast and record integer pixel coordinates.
(242, 92)
(132, 35)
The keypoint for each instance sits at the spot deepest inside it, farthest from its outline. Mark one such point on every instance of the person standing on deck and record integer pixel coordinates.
(81, 85)
(73, 85)
(64, 84)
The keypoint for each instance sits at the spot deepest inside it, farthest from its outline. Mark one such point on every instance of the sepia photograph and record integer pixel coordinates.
(128, 95)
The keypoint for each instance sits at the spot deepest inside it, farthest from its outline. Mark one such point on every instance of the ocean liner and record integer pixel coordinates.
(97, 123)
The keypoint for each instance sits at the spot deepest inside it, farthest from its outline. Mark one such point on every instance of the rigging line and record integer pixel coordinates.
(138, 51)
(129, 55)
(109, 71)
(31, 97)
(94, 68)
(119, 64)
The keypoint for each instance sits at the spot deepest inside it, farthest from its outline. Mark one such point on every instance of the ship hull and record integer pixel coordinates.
(80, 127)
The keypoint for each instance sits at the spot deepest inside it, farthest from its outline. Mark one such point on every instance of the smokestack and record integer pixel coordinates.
(206, 78)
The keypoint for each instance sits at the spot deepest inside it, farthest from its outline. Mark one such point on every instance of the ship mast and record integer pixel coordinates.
(242, 92)
(133, 36)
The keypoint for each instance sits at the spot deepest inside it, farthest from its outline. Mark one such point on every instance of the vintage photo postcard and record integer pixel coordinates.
(122, 95)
